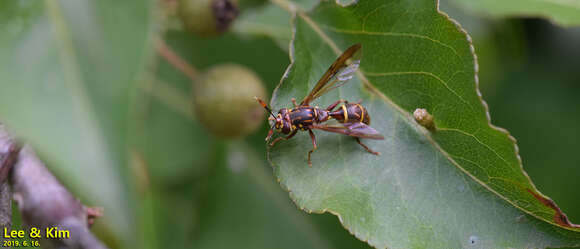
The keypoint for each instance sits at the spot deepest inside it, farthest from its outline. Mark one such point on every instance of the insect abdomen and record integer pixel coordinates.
(351, 113)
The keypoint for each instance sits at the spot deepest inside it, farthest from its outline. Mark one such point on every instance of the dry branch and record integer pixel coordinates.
(44, 202)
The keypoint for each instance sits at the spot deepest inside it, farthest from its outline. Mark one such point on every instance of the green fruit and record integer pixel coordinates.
(224, 103)
(207, 17)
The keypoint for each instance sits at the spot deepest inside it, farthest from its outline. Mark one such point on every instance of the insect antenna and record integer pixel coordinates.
(263, 104)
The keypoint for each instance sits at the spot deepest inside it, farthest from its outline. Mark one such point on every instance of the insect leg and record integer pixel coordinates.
(270, 133)
(294, 102)
(313, 149)
(366, 148)
(331, 107)
(283, 138)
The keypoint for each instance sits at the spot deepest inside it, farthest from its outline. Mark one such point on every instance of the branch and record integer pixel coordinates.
(45, 203)
(175, 60)
(8, 155)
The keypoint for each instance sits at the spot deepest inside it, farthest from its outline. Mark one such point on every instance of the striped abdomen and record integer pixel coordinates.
(351, 113)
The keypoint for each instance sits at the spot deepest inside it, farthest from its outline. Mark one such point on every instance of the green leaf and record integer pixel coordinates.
(66, 70)
(565, 13)
(459, 186)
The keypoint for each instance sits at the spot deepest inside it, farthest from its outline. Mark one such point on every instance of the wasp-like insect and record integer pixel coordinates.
(353, 118)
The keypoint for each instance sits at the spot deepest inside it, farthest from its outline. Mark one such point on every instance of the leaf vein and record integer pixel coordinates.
(443, 82)
(394, 34)
(477, 140)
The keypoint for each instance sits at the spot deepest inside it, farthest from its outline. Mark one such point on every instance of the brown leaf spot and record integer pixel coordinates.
(559, 217)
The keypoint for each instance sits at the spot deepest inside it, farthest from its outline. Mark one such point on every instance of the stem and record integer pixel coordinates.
(170, 56)
(44, 203)
(8, 153)
(8, 160)
(5, 207)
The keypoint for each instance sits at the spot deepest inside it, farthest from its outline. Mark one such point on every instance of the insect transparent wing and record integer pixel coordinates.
(354, 129)
(341, 77)
(347, 73)
(339, 72)
(362, 130)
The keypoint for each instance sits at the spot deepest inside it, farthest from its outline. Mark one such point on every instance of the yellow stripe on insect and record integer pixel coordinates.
(362, 116)
(344, 112)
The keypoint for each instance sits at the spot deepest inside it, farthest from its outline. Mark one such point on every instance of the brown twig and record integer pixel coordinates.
(8, 160)
(8, 155)
(170, 56)
(5, 208)
(42, 200)
(45, 203)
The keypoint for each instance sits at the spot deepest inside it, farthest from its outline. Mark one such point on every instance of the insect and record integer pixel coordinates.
(353, 118)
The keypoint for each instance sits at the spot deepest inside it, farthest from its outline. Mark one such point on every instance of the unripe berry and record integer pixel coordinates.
(223, 98)
(207, 17)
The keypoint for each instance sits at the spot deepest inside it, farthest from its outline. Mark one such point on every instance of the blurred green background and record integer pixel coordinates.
(182, 187)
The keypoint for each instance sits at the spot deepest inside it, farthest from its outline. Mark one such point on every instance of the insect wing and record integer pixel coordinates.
(354, 129)
(362, 130)
(337, 74)
(339, 79)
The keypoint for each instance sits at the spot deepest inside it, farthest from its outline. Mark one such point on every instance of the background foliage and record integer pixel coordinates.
(81, 83)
